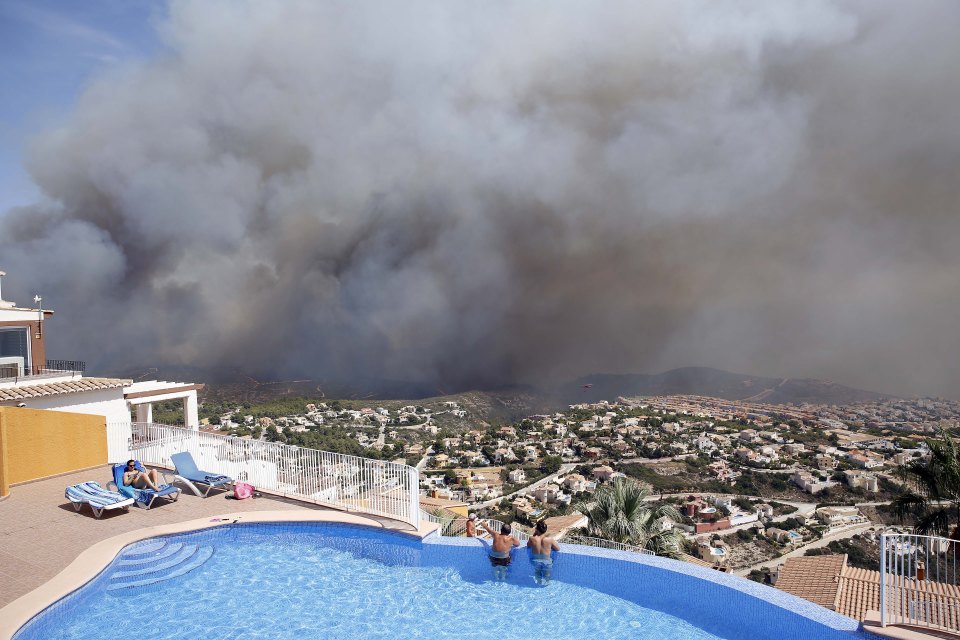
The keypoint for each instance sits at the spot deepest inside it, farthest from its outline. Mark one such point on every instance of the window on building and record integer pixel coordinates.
(14, 351)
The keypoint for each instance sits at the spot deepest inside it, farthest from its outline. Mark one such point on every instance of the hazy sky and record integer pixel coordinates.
(49, 50)
(480, 193)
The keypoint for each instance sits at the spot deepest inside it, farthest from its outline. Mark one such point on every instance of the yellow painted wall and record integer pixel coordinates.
(36, 443)
(4, 485)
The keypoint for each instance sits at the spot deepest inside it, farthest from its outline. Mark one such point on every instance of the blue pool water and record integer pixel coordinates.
(305, 581)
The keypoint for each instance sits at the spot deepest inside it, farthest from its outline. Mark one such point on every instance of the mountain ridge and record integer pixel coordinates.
(514, 401)
(716, 383)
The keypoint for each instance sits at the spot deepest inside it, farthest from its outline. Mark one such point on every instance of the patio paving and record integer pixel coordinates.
(41, 533)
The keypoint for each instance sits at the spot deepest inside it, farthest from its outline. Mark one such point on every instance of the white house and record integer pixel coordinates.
(861, 480)
(808, 482)
(517, 475)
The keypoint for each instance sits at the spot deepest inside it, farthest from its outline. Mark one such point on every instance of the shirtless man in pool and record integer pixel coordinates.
(503, 543)
(541, 545)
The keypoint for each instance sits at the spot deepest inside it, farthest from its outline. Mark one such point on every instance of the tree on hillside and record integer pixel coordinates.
(551, 464)
(933, 489)
(618, 511)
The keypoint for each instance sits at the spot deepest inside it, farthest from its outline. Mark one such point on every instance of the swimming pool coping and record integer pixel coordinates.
(97, 557)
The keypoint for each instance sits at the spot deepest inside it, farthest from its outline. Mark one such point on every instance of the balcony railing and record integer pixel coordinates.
(66, 365)
(341, 481)
(588, 541)
(52, 369)
(919, 582)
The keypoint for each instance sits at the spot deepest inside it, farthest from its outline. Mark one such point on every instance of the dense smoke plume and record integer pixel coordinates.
(482, 193)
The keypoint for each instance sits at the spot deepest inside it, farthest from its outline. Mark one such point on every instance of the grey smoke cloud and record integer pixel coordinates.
(483, 193)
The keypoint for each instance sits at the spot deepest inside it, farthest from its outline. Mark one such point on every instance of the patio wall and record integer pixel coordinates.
(38, 444)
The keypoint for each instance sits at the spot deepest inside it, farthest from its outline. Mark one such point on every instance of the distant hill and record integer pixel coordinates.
(704, 381)
(511, 402)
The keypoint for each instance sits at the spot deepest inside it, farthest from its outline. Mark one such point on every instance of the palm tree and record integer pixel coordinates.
(933, 489)
(619, 512)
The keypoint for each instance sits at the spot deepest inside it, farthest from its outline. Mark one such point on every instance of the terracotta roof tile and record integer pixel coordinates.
(813, 578)
(53, 388)
(937, 602)
(851, 591)
(859, 592)
(695, 560)
(559, 525)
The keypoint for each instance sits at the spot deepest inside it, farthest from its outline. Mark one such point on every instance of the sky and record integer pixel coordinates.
(475, 194)
(49, 51)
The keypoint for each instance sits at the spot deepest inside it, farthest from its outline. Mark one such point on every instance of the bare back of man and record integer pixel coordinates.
(542, 545)
(503, 544)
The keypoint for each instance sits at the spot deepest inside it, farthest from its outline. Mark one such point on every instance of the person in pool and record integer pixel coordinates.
(503, 544)
(541, 545)
(132, 477)
(472, 525)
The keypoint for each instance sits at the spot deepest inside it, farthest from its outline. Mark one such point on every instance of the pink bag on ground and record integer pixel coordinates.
(242, 490)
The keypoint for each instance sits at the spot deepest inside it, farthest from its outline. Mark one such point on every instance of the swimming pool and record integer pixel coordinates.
(323, 580)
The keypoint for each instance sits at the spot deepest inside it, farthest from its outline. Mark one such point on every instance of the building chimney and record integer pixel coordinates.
(3, 303)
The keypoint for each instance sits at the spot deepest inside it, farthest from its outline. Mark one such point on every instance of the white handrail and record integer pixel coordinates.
(342, 481)
(919, 583)
(517, 533)
(589, 541)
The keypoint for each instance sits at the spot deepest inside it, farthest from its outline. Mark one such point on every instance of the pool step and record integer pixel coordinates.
(160, 553)
(170, 561)
(146, 548)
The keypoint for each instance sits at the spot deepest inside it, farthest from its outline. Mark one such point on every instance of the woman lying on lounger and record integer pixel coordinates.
(132, 477)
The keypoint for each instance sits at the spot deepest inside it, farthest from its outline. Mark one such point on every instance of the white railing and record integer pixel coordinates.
(515, 531)
(40, 374)
(332, 479)
(919, 582)
(588, 541)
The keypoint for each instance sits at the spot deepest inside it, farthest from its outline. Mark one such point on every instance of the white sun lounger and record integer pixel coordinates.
(190, 475)
(97, 497)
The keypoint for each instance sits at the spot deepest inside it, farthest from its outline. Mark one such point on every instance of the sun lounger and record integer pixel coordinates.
(190, 475)
(97, 497)
(144, 497)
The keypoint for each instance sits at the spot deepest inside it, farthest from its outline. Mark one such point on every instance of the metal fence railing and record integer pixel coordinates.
(67, 365)
(496, 525)
(919, 582)
(35, 375)
(589, 541)
(338, 480)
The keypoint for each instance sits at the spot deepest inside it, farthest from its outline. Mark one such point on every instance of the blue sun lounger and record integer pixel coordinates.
(188, 473)
(144, 497)
(97, 497)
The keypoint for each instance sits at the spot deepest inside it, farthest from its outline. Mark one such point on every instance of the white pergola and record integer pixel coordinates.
(143, 395)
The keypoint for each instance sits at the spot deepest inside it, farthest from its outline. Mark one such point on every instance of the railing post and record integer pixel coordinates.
(883, 579)
(413, 478)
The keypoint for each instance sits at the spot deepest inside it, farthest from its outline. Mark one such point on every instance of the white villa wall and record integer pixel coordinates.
(103, 402)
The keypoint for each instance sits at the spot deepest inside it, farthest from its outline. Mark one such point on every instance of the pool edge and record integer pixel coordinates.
(95, 558)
